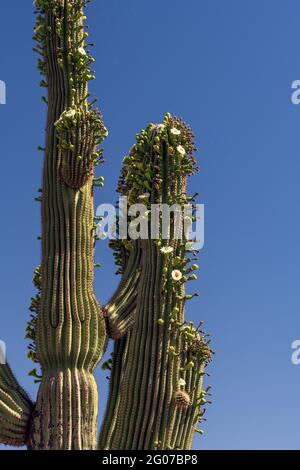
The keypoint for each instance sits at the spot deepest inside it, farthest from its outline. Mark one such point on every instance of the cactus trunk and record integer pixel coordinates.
(148, 407)
(65, 416)
(70, 331)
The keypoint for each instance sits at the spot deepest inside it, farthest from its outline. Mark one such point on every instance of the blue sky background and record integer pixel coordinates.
(227, 69)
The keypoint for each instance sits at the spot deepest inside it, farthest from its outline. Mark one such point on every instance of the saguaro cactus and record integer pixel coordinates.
(69, 332)
(156, 394)
(158, 365)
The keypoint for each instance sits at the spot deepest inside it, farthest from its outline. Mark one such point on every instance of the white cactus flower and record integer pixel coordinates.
(82, 51)
(166, 250)
(182, 383)
(181, 150)
(70, 113)
(144, 196)
(176, 275)
(175, 131)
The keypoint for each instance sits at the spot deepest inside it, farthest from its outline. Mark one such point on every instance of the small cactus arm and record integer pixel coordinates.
(15, 409)
(156, 393)
(120, 310)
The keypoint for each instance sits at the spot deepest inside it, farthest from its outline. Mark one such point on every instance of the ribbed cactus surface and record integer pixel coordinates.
(158, 363)
(156, 395)
(15, 409)
(70, 330)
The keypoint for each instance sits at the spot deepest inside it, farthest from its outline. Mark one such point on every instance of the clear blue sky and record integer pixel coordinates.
(226, 68)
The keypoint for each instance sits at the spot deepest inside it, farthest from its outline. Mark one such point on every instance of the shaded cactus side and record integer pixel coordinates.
(156, 384)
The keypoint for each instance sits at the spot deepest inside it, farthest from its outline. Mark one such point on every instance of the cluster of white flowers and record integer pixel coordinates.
(166, 250)
(175, 131)
(70, 113)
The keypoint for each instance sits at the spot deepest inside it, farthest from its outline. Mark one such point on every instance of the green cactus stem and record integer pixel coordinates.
(70, 328)
(67, 328)
(158, 364)
(120, 310)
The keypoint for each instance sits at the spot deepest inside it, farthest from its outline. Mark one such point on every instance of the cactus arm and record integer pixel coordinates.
(120, 318)
(120, 310)
(116, 381)
(161, 351)
(15, 409)
(70, 330)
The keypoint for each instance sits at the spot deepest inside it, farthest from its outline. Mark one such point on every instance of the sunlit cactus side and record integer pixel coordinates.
(156, 393)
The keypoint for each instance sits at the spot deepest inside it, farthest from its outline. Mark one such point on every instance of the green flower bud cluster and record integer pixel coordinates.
(121, 253)
(71, 55)
(141, 171)
(149, 172)
(60, 41)
(196, 344)
(80, 133)
(30, 332)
